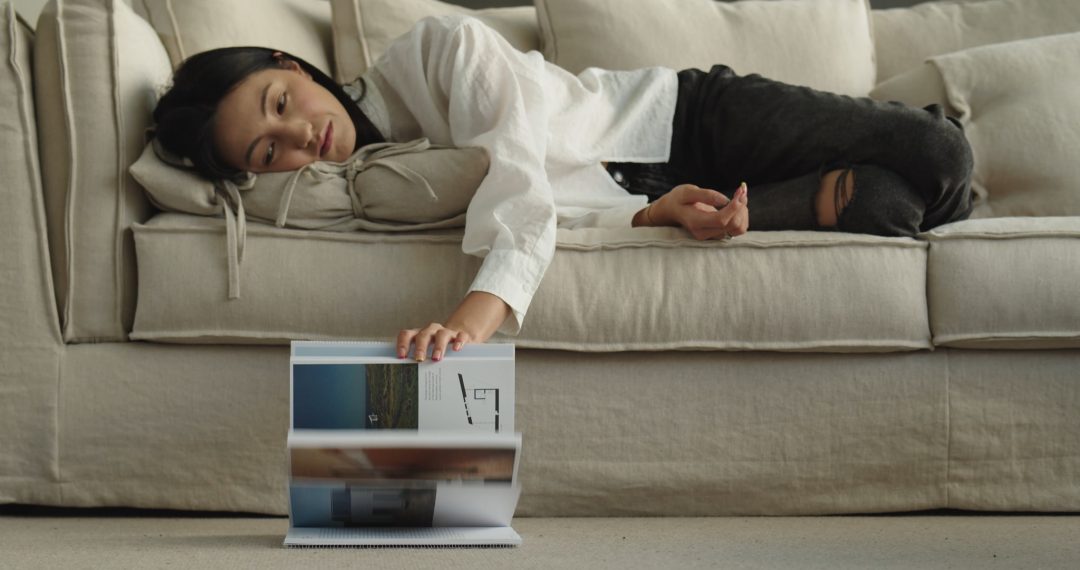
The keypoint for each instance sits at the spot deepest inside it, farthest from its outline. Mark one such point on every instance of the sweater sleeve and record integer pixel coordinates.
(467, 86)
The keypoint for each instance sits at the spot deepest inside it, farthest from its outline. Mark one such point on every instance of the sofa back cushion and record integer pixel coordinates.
(364, 28)
(905, 37)
(28, 306)
(187, 27)
(825, 44)
(97, 70)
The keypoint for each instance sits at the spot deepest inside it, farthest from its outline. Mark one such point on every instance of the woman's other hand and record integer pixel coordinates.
(475, 320)
(706, 214)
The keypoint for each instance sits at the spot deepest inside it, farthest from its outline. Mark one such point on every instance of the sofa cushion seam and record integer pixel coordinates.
(948, 427)
(121, 178)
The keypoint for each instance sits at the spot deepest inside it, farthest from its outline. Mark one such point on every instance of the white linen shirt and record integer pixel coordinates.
(457, 82)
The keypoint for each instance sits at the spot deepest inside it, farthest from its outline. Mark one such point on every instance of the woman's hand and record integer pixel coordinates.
(475, 320)
(706, 214)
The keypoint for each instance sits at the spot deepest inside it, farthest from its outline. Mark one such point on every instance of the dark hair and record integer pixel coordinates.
(184, 116)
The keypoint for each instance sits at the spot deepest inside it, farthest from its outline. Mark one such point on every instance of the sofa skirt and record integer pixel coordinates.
(605, 434)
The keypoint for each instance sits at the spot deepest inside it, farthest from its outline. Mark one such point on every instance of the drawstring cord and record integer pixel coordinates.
(235, 228)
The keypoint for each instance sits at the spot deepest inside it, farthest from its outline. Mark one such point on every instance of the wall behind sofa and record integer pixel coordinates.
(30, 9)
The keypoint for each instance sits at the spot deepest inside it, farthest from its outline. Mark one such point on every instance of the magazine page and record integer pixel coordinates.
(379, 478)
(364, 386)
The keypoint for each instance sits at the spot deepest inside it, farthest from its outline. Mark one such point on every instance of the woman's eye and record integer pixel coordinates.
(281, 104)
(269, 154)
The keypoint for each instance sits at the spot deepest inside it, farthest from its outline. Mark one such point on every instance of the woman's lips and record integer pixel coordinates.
(327, 139)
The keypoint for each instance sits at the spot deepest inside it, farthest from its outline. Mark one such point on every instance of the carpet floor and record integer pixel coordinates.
(36, 537)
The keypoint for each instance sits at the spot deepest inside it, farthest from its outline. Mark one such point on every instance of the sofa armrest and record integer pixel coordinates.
(28, 315)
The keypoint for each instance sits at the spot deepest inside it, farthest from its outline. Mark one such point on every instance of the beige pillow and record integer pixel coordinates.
(905, 37)
(364, 28)
(382, 187)
(1019, 106)
(187, 27)
(825, 44)
(919, 86)
(404, 186)
(97, 69)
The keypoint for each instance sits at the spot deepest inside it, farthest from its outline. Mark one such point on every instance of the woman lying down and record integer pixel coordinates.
(709, 151)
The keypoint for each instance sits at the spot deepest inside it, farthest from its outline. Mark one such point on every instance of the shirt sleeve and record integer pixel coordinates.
(485, 93)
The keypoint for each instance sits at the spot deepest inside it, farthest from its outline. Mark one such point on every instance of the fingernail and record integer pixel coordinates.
(457, 346)
(436, 356)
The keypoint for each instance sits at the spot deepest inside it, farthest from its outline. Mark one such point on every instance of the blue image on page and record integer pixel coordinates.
(355, 396)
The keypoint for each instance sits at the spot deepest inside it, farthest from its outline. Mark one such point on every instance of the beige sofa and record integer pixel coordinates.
(776, 373)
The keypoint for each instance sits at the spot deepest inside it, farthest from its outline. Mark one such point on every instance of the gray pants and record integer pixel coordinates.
(912, 167)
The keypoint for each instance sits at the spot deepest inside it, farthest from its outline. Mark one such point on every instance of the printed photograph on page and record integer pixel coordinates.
(455, 394)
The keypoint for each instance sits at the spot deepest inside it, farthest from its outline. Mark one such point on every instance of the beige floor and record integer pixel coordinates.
(131, 539)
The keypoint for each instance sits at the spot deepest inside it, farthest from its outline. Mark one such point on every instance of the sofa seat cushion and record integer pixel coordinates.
(1005, 283)
(605, 290)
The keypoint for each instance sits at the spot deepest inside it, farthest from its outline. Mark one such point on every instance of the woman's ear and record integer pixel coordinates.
(290, 64)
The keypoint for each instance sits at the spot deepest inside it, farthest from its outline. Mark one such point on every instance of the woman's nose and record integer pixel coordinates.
(300, 133)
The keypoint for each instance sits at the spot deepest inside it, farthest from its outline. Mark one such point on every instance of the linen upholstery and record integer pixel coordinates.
(824, 44)
(157, 425)
(919, 86)
(780, 288)
(1005, 283)
(905, 37)
(1004, 409)
(30, 343)
(362, 29)
(187, 27)
(27, 303)
(97, 70)
(658, 433)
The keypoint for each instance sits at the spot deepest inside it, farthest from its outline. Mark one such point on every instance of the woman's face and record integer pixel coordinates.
(280, 119)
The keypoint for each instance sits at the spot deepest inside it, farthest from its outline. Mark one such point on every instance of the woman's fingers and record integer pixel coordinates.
(740, 217)
(739, 198)
(434, 336)
(442, 337)
(461, 340)
(404, 341)
(423, 339)
(690, 193)
(730, 220)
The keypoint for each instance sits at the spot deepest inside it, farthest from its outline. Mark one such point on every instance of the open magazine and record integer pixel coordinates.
(384, 451)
